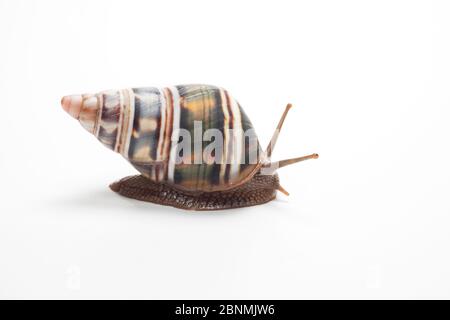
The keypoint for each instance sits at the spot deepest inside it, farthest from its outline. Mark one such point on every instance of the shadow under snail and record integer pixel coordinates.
(193, 144)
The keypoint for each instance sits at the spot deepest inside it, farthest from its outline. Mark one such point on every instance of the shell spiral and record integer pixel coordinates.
(158, 129)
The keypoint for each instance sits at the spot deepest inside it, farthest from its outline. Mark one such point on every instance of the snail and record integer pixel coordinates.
(222, 167)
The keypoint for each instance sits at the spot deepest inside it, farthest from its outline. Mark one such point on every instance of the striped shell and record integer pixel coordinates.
(144, 125)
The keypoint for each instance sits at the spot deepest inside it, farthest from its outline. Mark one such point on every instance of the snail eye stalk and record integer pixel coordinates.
(271, 167)
(274, 139)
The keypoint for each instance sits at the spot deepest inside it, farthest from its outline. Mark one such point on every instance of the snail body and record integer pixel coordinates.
(193, 144)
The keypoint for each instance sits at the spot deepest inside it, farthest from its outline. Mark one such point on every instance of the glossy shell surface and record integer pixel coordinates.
(144, 125)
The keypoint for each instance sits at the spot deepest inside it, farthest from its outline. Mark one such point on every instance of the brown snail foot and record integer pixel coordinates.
(258, 190)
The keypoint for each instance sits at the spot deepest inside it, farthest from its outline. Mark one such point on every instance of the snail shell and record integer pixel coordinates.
(148, 125)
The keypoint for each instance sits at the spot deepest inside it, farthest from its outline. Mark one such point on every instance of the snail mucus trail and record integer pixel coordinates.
(152, 128)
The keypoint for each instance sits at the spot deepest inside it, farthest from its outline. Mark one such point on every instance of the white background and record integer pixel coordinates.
(369, 81)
